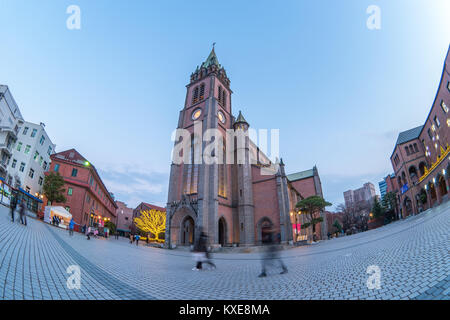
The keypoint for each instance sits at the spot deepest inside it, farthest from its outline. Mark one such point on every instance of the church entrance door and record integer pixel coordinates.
(187, 237)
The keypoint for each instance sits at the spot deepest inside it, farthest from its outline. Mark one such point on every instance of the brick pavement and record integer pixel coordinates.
(412, 254)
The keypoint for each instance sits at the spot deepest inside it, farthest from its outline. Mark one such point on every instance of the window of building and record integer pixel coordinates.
(202, 92)
(19, 146)
(74, 172)
(444, 106)
(36, 155)
(22, 166)
(407, 150)
(31, 173)
(69, 191)
(41, 180)
(14, 163)
(429, 133)
(88, 198)
(45, 165)
(67, 208)
(40, 160)
(27, 189)
(411, 150)
(27, 149)
(42, 140)
(56, 167)
(25, 130)
(448, 122)
(416, 149)
(33, 133)
(49, 150)
(436, 120)
(195, 96)
(448, 85)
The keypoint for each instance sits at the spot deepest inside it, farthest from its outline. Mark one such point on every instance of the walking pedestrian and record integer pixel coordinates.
(270, 254)
(137, 239)
(23, 218)
(71, 226)
(13, 205)
(201, 253)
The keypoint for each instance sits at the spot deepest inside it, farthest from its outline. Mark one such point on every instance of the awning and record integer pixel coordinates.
(61, 211)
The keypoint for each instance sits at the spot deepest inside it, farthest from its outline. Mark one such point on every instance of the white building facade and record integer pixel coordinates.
(31, 157)
(10, 122)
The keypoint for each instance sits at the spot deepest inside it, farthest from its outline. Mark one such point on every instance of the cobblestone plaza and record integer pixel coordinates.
(412, 254)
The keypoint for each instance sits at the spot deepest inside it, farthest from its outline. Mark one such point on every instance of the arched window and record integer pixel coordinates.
(220, 94)
(190, 171)
(202, 91)
(223, 174)
(195, 95)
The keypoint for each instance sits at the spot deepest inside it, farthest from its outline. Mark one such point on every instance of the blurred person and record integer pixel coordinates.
(201, 253)
(23, 217)
(13, 206)
(271, 253)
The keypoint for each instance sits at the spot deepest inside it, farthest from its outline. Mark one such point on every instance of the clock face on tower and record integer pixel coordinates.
(221, 116)
(196, 114)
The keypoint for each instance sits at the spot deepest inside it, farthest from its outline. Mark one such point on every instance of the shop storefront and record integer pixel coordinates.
(33, 204)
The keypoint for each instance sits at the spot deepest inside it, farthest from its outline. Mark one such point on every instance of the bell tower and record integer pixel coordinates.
(207, 106)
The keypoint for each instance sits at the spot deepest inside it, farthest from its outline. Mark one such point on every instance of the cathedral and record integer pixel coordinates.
(235, 202)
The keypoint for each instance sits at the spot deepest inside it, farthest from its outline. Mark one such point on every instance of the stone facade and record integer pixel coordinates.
(421, 155)
(234, 203)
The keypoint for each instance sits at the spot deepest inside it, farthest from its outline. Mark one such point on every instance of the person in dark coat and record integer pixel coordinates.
(201, 252)
(23, 218)
(271, 254)
(13, 205)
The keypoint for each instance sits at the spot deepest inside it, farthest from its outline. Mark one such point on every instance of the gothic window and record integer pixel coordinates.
(191, 169)
(224, 98)
(220, 94)
(202, 91)
(195, 95)
(223, 175)
(416, 148)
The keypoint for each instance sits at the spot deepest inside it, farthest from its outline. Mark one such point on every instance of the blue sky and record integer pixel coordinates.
(339, 92)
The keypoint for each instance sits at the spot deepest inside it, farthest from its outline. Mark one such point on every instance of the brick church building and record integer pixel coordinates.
(234, 203)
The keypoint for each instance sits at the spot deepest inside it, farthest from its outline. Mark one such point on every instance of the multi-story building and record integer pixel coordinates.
(10, 121)
(87, 198)
(235, 202)
(124, 218)
(383, 186)
(31, 157)
(364, 194)
(420, 157)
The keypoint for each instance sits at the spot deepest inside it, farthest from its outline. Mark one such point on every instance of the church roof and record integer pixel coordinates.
(300, 175)
(240, 118)
(409, 135)
(212, 59)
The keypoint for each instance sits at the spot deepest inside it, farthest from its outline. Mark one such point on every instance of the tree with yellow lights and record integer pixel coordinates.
(152, 221)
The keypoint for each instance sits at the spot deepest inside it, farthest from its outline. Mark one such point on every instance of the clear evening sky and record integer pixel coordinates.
(339, 92)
